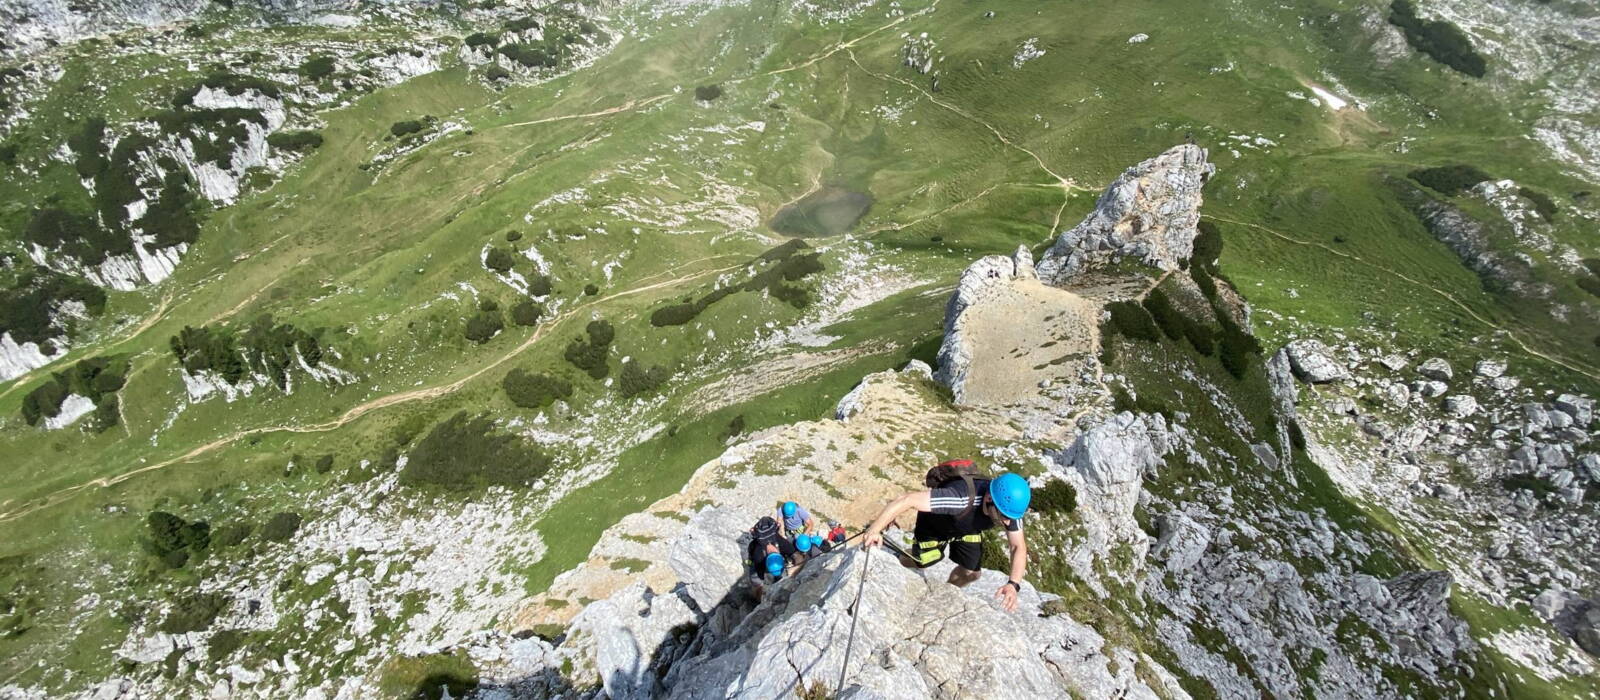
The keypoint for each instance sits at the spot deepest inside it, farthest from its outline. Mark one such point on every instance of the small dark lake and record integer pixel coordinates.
(829, 211)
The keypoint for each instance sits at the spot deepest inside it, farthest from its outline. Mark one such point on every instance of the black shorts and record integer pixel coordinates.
(966, 552)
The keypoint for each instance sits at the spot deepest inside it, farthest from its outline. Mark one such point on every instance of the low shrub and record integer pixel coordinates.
(193, 613)
(405, 128)
(281, 527)
(1440, 40)
(1542, 204)
(1449, 179)
(526, 313)
(231, 535)
(465, 452)
(1130, 320)
(317, 67)
(1056, 496)
(590, 289)
(1207, 246)
(1238, 347)
(513, 236)
(324, 464)
(538, 285)
(635, 379)
(296, 141)
(481, 39)
(499, 259)
(223, 643)
(534, 391)
(707, 93)
(592, 356)
(483, 326)
(674, 315)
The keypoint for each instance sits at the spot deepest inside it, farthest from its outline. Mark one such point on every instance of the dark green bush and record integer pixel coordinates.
(1542, 204)
(591, 356)
(296, 141)
(88, 145)
(488, 304)
(222, 644)
(532, 390)
(231, 535)
(1440, 40)
(674, 315)
(635, 379)
(499, 259)
(1167, 318)
(707, 93)
(480, 39)
(483, 326)
(281, 527)
(526, 313)
(76, 235)
(530, 55)
(591, 289)
(193, 613)
(25, 307)
(465, 453)
(496, 73)
(735, 427)
(1449, 179)
(1239, 348)
(43, 402)
(317, 68)
(1131, 321)
(1056, 496)
(8, 153)
(175, 559)
(107, 414)
(513, 236)
(1589, 283)
(1207, 246)
(324, 464)
(405, 128)
(538, 285)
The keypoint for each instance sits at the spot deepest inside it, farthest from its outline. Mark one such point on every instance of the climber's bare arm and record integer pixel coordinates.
(1019, 568)
(921, 501)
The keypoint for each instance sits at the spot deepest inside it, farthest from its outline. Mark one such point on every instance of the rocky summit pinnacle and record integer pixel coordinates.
(1149, 214)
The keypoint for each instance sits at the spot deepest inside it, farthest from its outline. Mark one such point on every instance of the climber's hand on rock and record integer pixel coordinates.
(1007, 595)
(873, 538)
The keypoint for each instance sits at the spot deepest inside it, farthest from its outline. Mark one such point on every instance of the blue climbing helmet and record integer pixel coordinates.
(775, 564)
(1010, 494)
(803, 542)
(789, 508)
(816, 540)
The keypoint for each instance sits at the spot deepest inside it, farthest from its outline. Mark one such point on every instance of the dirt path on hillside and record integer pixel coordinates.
(360, 410)
(1569, 364)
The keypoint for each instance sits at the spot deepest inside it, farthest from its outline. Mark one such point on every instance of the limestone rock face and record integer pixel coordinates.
(1313, 362)
(1436, 368)
(706, 557)
(904, 647)
(1149, 214)
(632, 637)
(1107, 465)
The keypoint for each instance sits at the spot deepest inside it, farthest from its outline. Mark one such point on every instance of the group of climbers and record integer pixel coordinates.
(952, 513)
(787, 538)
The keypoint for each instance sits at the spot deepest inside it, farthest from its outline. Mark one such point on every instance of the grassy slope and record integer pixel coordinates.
(947, 189)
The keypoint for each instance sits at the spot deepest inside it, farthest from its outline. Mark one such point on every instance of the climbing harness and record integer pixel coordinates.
(930, 552)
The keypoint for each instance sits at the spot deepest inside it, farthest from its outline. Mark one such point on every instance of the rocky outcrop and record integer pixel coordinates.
(1313, 362)
(37, 24)
(981, 280)
(1148, 214)
(795, 641)
(1107, 465)
(17, 359)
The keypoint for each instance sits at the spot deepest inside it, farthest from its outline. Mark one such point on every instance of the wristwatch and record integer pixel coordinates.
(1015, 584)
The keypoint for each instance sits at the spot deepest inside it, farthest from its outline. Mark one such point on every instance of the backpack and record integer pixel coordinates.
(952, 470)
